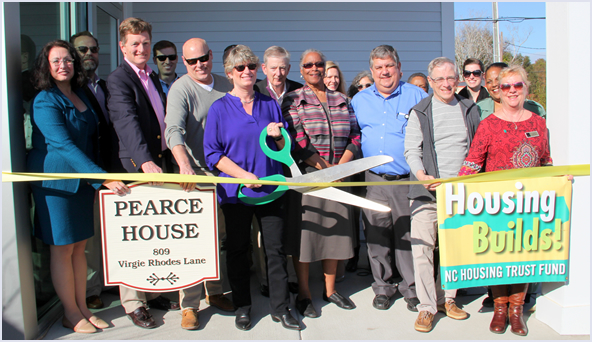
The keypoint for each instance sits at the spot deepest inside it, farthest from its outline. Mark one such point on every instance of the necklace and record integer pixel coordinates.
(514, 122)
(244, 102)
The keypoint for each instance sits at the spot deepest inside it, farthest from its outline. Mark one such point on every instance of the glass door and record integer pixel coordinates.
(104, 24)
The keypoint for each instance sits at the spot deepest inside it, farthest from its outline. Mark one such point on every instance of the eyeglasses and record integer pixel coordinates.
(507, 86)
(241, 68)
(310, 64)
(58, 62)
(202, 59)
(476, 73)
(171, 58)
(84, 49)
(364, 86)
(440, 80)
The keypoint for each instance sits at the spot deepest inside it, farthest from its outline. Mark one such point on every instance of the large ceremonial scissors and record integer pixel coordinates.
(321, 176)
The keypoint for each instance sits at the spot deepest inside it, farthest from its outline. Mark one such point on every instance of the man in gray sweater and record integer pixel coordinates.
(188, 102)
(439, 134)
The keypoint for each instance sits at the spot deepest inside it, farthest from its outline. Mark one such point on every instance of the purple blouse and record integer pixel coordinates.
(233, 133)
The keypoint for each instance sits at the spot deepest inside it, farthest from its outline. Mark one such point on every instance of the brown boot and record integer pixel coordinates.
(517, 294)
(499, 322)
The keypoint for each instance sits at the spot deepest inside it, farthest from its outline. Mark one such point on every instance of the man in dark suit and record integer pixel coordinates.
(87, 47)
(276, 66)
(137, 105)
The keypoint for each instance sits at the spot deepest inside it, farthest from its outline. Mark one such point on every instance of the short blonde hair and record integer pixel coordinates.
(240, 54)
(133, 26)
(514, 70)
(331, 64)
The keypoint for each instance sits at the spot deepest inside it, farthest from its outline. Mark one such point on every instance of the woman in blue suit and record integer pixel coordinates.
(64, 140)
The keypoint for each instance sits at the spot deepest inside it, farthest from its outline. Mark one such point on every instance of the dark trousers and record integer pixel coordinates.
(389, 239)
(238, 238)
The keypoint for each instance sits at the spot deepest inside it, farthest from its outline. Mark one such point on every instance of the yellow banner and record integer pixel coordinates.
(506, 232)
(535, 172)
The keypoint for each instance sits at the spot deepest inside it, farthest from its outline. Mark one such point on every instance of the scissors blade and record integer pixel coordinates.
(344, 170)
(341, 196)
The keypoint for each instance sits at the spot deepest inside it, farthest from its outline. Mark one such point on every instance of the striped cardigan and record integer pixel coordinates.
(316, 132)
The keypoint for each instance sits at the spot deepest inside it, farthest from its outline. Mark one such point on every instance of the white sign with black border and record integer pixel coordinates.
(160, 238)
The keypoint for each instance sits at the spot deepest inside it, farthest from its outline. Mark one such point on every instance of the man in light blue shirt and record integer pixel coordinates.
(382, 111)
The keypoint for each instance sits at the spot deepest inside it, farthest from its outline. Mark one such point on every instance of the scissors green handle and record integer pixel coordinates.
(283, 156)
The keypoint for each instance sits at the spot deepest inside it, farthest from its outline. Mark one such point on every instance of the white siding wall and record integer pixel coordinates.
(344, 32)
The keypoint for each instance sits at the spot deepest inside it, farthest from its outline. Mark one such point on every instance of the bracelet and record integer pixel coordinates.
(279, 138)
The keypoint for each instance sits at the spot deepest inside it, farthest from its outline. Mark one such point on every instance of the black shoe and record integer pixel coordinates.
(412, 303)
(287, 320)
(305, 308)
(339, 300)
(163, 303)
(487, 302)
(352, 264)
(381, 302)
(242, 320)
(293, 287)
(264, 290)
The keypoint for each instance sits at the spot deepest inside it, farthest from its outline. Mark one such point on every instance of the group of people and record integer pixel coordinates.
(141, 121)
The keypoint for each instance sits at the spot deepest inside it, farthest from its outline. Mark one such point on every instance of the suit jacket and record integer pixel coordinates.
(64, 141)
(134, 118)
(108, 143)
(261, 87)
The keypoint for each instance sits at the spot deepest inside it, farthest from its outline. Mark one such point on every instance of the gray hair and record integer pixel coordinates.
(361, 75)
(240, 54)
(307, 51)
(438, 62)
(383, 52)
(277, 52)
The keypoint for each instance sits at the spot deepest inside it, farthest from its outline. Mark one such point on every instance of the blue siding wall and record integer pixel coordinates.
(344, 32)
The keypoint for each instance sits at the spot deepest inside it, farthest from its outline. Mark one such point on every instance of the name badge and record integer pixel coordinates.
(533, 134)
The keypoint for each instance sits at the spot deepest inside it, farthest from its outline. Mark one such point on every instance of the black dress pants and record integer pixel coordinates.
(238, 219)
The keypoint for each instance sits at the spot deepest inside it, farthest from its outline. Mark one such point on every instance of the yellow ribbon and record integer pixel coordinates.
(533, 172)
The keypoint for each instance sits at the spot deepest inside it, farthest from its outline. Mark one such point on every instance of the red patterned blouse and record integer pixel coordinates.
(503, 145)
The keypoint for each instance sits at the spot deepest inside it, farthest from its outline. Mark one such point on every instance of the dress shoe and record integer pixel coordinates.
(221, 302)
(339, 300)
(83, 327)
(293, 287)
(452, 311)
(424, 321)
(242, 320)
(163, 303)
(412, 303)
(190, 320)
(305, 308)
(142, 318)
(264, 289)
(97, 322)
(287, 320)
(94, 302)
(381, 302)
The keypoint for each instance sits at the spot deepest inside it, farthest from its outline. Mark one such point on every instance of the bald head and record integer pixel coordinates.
(198, 60)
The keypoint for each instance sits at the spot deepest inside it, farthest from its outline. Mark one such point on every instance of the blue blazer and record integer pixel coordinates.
(134, 118)
(63, 140)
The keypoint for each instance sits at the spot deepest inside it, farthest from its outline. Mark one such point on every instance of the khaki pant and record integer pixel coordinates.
(424, 232)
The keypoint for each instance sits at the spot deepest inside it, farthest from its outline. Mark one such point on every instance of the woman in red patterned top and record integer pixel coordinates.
(511, 138)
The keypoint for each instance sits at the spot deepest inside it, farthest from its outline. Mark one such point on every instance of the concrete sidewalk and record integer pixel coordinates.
(362, 323)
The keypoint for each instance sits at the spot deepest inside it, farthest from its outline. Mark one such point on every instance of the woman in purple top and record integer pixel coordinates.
(231, 145)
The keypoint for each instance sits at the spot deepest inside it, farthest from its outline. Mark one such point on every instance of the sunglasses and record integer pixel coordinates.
(163, 58)
(202, 59)
(84, 49)
(317, 64)
(241, 68)
(476, 73)
(507, 86)
(364, 86)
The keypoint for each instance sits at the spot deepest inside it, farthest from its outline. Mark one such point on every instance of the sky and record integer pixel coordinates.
(535, 45)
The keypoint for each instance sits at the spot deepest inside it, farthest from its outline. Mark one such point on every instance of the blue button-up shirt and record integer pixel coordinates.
(166, 87)
(383, 122)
